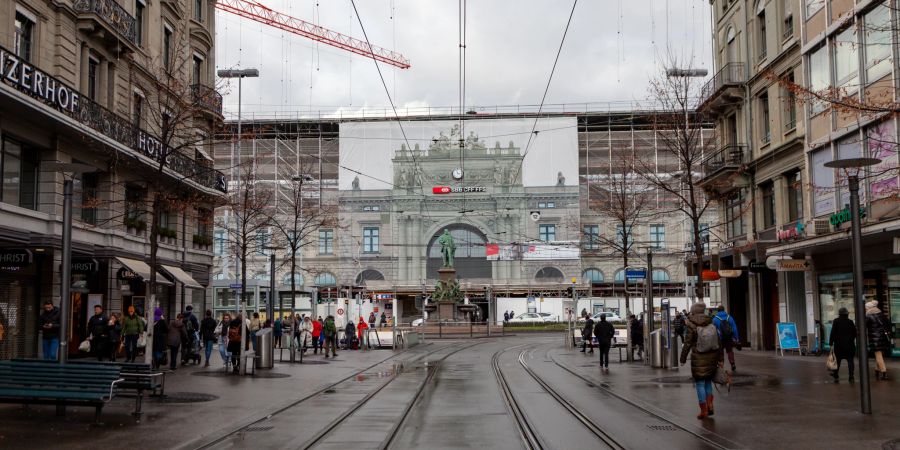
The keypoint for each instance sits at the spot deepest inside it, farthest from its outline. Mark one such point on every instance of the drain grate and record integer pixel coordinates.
(186, 397)
(258, 428)
(662, 427)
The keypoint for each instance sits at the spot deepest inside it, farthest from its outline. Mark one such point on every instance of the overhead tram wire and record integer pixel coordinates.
(546, 90)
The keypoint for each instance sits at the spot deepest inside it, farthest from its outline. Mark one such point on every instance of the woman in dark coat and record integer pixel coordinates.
(703, 364)
(843, 341)
(160, 333)
(879, 334)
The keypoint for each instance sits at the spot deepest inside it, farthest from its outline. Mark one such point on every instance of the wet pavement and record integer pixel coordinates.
(447, 394)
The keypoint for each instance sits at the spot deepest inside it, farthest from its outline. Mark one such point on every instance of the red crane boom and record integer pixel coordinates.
(262, 14)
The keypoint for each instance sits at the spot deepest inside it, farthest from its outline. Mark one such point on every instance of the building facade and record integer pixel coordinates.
(93, 82)
(784, 71)
(524, 226)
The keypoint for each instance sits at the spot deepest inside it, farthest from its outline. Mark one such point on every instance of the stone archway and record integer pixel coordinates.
(470, 260)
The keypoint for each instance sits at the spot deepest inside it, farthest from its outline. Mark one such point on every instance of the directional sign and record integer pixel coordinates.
(637, 273)
(757, 267)
(236, 286)
(340, 311)
(793, 265)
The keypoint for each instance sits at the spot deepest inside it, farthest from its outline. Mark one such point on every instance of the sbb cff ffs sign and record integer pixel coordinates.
(440, 190)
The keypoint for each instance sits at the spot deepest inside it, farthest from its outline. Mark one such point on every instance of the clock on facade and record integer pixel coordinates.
(457, 174)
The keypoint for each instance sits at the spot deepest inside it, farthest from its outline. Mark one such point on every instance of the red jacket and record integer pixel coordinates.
(317, 328)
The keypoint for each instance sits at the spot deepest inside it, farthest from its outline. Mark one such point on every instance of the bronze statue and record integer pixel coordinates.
(448, 248)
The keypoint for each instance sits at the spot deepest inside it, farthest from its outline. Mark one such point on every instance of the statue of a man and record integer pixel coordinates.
(448, 248)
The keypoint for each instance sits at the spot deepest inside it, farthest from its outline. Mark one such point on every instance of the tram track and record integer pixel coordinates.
(530, 439)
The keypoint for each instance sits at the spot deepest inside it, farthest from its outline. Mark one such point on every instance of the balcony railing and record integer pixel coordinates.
(732, 74)
(732, 155)
(113, 14)
(207, 98)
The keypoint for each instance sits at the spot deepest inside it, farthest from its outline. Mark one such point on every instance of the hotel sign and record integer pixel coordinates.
(28, 79)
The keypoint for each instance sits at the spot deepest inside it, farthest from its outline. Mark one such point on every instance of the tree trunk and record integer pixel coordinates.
(150, 305)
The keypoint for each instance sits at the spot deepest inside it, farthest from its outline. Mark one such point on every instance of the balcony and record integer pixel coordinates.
(722, 164)
(207, 99)
(108, 16)
(724, 89)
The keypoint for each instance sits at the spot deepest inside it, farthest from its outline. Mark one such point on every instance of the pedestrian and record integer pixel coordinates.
(879, 334)
(305, 331)
(255, 326)
(512, 314)
(702, 342)
(98, 327)
(604, 332)
(277, 333)
(349, 334)
(49, 325)
(160, 335)
(234, 341)
(505, 317)
(678, 324)
(297, 333)
(372, 319)
(316, 334)
(329, 331)
(115, 335)
(587, 333)
(222, 333)
(322, 335)
(132, 327)
(383, 319)
(728, 333)
(361, 331)
(842, 341)
(636, 332)
(208, 334)
(191, 323)
(176, 337)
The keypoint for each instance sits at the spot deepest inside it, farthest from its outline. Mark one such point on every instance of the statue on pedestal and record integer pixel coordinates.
(448, 248)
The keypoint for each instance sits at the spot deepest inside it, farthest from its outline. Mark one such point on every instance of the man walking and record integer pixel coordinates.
(728, 333)
(330, 332)
(49, 322)
(98, 327)
(587, 333)
(132, 327)
(678, 324)
(208, 334)
(604, 332)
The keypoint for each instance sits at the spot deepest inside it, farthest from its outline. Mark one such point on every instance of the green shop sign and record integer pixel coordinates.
(841, 217)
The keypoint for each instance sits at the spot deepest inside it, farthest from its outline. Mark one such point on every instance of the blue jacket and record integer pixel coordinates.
(717, 321)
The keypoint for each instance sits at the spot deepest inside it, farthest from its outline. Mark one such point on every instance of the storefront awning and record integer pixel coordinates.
(142, 269)
(182, 277)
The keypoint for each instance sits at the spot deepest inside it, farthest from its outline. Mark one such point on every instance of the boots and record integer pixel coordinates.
(704, 412)
(709, 405)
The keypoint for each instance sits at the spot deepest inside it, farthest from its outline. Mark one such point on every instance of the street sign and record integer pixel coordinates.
(793, 265)
(691, 278)
(757, 267)
(340, 311)
(636, 273)
(236, 286)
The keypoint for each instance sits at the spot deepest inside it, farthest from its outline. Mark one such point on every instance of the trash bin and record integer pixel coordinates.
(657, 349)
(265, 358)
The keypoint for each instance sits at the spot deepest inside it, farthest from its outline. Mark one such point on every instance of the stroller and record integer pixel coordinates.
(191, 348)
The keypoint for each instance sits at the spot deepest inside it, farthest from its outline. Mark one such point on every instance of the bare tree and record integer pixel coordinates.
(678, 169)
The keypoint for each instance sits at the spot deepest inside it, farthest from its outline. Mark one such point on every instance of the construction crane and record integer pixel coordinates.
(265, 15)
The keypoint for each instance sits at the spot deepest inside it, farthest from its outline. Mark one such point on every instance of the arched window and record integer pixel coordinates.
(660, 276)
(548, 274)
(619, 276)
(368, 275)
(593, 276)
(261, 276)
(470, 257)
(298, 279)
(325, 279)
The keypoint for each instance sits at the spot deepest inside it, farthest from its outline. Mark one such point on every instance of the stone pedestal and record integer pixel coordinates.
(446, 309)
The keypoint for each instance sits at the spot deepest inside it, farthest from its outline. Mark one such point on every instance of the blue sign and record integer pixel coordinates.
(787, 335)
(633, 274)
(236, 286)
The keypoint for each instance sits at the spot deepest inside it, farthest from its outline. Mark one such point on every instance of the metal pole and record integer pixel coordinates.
(649, 328)
(270, 305)
(865, 397)
(65, 272)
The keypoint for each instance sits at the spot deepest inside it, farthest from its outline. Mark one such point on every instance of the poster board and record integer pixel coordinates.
(787, 336)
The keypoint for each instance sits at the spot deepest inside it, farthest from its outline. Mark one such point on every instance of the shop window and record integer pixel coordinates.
(846, 60)
(93, 67)
(877, 42)
(813, 6)
(795, 195)
(547, 232)
(734, 215)
(591, 237)
(767, 196)
(822, 182)
(23, 40)
(819, 77)
(325, 279)
(658, 236)
(326, 241)
(19, 174)
(371, 239)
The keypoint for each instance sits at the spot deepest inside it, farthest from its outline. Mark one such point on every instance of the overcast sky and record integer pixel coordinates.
(613, 48)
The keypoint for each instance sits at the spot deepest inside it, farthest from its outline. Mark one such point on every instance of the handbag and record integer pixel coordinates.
(142, 340)
(831, 363)
(722, 377)
(85, 345)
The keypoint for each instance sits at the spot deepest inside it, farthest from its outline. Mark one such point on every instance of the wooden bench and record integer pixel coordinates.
(139, 377)
(28, 382)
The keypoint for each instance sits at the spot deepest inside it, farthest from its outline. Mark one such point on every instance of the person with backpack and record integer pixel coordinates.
(728, 333)
(329, 330)
(604, 332)
(160, 335)
(221, 332)
(701, 341)
(277, 332)
(234, 341)
(678, 324)
(208, 334)
(587, 333)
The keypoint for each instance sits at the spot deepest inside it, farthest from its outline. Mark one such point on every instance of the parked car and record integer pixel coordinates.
(418, 322)
(549, 317)
(528, 318)
(610, 317)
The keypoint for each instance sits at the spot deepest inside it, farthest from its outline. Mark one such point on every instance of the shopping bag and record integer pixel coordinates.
(142, 340)
(722, 377)
(831, 363)
(85, 345)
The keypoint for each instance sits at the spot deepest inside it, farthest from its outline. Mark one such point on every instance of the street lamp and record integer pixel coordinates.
(66, 268)
(865, 396)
